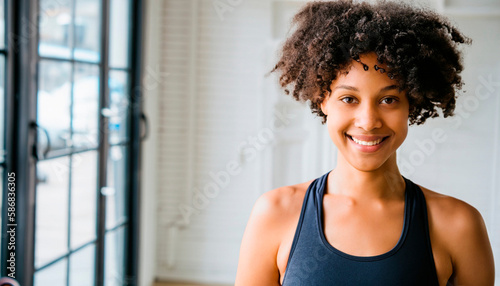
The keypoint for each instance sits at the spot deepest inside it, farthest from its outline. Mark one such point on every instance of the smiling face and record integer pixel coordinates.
(367, 115)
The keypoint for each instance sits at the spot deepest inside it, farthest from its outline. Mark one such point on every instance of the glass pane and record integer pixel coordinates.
(83, 198)
(114, 259)
(118, 107)
(2, 24)
(55, 28)
(119, 33)
(81, 265)
(54, 275)
(87, 30)
(116, 200)
(54, 102)
(85, 106)
(2, 107)
(51, 232)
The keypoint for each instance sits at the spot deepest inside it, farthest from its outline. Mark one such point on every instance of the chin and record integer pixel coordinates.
(367, 167)
(369, 164)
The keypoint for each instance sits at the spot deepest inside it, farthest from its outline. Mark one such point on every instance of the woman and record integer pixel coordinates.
(369, 71)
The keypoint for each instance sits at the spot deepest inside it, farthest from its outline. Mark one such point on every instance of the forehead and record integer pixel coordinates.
(365, 71)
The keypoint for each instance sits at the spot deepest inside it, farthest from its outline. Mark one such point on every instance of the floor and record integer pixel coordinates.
(180, 284)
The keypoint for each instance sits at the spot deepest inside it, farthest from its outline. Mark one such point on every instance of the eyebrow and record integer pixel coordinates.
(348, 87)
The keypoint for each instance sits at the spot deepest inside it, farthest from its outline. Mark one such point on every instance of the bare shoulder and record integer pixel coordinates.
(451, 213)
(275, 208)
(271, 218)
(282, 201)
(459, 229)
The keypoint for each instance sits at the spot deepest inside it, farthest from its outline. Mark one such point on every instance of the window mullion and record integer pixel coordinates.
(23, 42)
(132, 246)
(103, 144)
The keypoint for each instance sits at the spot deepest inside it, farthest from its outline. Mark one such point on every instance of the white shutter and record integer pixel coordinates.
(212, 102)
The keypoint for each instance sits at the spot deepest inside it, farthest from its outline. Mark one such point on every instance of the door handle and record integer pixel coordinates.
(37, 127)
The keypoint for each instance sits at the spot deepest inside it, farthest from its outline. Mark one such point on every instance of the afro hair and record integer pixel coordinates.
(418, 46)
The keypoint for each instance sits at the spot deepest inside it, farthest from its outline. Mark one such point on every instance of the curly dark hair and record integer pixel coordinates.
(418, 46)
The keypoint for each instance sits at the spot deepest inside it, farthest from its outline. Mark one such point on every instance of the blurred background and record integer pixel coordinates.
(141, 133)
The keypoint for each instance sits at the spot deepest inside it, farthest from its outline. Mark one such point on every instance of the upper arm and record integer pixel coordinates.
(260, 243)
(471, 252)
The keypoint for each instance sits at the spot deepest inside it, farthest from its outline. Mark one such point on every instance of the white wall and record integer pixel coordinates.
(466, 164)
(213, 110)
(151, 85)
(209, 106)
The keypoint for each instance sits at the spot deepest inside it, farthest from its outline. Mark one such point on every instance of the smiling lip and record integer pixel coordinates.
(367, 143)
(368, 138)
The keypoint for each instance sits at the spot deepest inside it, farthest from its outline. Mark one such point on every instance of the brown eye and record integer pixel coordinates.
(389, 100)
(348, 100)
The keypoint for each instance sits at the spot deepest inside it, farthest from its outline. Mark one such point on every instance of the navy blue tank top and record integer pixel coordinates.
(313, 261)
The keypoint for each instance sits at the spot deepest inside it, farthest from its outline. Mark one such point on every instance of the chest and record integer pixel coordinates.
(364, 231)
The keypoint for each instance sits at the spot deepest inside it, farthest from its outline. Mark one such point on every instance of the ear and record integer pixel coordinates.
(323, 104)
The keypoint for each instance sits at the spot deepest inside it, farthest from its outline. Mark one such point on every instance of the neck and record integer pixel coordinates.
(382, 183)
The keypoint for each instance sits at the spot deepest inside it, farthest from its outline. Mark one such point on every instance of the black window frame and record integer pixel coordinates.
(21, 131)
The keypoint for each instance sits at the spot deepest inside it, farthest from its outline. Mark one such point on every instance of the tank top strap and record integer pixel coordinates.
(419, 222)
(313, 261)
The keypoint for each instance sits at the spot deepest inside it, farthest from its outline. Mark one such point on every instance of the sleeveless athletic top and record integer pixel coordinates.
(313, 261)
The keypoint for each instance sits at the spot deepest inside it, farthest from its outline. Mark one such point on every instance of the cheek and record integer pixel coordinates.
(404, 132)
(336, 127)
(400, 126)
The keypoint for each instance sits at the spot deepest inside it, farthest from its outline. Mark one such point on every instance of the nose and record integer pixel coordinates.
(368, 117)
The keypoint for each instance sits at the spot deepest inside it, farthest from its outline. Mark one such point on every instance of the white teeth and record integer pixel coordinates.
(371, 143)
